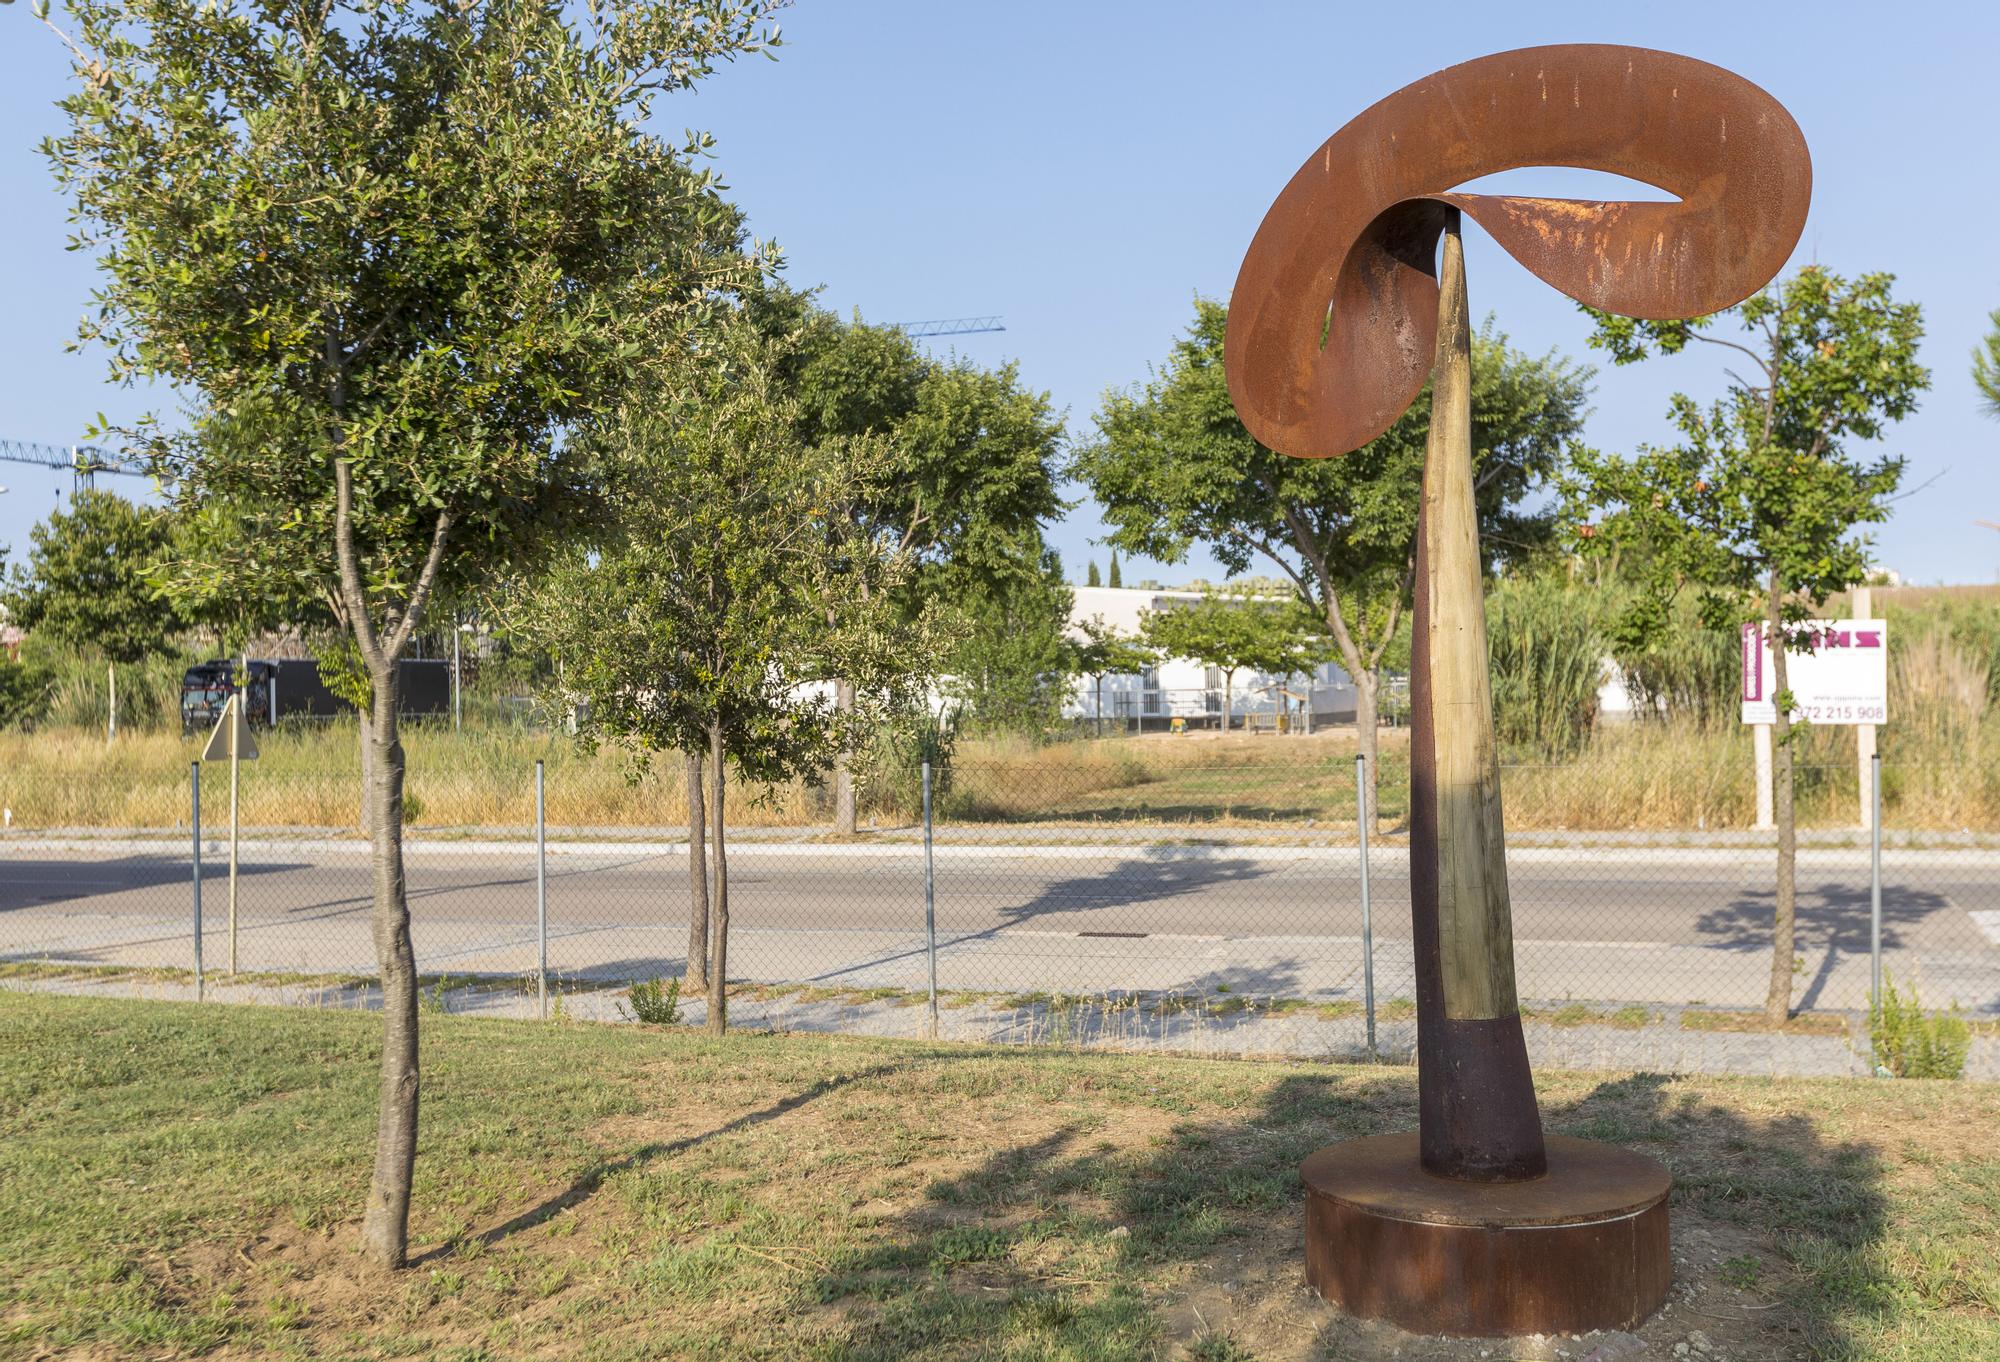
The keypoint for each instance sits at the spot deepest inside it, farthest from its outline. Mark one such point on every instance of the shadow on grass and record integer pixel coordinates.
(590, 1180)
(1071, 1246)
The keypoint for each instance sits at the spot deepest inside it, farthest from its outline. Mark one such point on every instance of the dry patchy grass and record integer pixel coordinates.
(183, 1181)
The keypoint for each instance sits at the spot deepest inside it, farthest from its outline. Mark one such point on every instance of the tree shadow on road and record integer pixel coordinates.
(1833, 921)
(1132, 881)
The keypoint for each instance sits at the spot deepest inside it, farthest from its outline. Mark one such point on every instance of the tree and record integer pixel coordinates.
(1754, 510)
(396, 253)
(1011, 662)
(1113, 578)
(1986, 367)
(1090, 577)
(86, 584)
(1229, 635)
(970, 478)
(1172, 466)
(265, 589)
(1103, 652)
(770, 598)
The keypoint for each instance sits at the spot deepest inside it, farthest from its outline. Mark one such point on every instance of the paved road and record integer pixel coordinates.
(1634, 924)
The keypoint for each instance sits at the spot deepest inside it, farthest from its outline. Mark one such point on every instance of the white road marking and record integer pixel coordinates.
(1987, 921)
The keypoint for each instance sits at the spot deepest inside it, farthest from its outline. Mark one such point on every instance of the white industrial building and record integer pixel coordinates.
(1181, 688)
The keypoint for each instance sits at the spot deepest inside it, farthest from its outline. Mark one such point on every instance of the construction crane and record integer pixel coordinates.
(950, 326)
(84, 462)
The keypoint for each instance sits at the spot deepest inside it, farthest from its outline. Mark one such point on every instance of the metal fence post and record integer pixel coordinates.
(930, 902)
(1875, 882)
(1367, 909)
(541, 901)
(194, 786)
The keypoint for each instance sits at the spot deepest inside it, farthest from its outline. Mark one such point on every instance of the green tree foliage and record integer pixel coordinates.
(968, 482)
(1753, 510)
(1113, 579)
(1090, 576)
(1011, 666)
(727, 588)
(1986, 367)
(1231, 634)
(86, 584)
(393, 252)
(231, 572)
(1102, 651)
(1173, 467)
(1683, 666)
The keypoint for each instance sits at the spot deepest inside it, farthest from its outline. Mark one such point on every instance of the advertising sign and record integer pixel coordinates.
(1838, 672)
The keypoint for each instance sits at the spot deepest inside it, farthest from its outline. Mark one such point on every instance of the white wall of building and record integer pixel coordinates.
(1180, 686)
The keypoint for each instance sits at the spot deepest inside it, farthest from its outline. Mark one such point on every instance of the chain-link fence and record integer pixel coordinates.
(1199, 907)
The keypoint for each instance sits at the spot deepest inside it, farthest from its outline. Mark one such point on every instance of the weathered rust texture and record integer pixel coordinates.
(1584, 1248)
(1347, 249)
(1477, 1224)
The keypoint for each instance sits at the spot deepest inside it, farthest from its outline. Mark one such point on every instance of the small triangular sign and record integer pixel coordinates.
(232, 729)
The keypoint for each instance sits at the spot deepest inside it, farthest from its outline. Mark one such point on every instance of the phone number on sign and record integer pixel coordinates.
(1844, 714)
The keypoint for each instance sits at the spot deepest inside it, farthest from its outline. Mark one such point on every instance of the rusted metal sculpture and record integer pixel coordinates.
(1344, 307)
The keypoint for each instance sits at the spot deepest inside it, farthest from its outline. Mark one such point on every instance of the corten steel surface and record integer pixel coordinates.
(1339, 312)
(1584, 1248)
(1475, 1224)
(1347, 248)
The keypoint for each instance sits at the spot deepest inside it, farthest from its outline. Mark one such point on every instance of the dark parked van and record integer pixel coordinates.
(291, 687)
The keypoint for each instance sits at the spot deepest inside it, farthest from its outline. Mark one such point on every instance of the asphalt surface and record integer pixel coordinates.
(1643, 924)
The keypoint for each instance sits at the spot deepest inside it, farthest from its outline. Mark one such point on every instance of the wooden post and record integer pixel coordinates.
(1767, 817)
(1864, 734)
(1478, 1118)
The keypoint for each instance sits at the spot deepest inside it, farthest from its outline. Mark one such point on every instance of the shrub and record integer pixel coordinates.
(656, 1002)
(1548, 653)
(1910, 1043)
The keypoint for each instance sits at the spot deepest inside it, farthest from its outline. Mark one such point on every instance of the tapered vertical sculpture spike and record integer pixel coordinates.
(1478, 1099)
(1478, 1223)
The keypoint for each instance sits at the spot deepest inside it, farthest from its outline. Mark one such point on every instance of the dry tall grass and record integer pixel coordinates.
(1941, 773)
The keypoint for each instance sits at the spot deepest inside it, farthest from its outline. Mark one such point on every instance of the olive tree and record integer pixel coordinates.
(722, 604)
(393, 253)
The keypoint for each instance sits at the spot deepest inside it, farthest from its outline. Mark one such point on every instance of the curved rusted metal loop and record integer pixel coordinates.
(1347, 251)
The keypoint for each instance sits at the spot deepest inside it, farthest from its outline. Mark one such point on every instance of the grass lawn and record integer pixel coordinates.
(178, 1180)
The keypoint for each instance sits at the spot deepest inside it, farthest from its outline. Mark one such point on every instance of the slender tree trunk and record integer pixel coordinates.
(1228, 697)
(718, 974)
(843, 767)
(367, 770)
(697, 957)
(385, 1227)
(1778, 1001)
(1368, 738)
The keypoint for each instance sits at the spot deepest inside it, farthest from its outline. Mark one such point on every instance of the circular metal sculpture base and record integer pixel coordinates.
(1582, 1248)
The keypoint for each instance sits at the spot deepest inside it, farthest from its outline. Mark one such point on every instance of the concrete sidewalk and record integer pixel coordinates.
(1212, 1024)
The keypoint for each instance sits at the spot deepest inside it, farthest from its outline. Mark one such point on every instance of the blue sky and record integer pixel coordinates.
(1084, 170)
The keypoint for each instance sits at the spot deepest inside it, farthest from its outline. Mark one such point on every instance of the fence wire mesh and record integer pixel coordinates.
(1203, 907)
